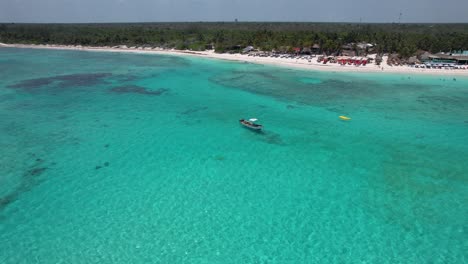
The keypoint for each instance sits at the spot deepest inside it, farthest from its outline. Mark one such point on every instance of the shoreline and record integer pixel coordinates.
(281, 62)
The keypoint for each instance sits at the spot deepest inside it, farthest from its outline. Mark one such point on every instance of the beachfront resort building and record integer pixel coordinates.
(460, 53)
(442, 59)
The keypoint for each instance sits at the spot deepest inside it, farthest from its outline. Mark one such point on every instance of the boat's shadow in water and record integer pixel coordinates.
(268, 137)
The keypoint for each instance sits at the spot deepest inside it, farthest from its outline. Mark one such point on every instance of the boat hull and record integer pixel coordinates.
(250, 125)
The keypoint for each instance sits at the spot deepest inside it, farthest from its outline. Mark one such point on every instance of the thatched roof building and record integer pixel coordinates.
(413, 60)
(394, 59)
(350, 53)
(248, 49)
(425, 56)
(315, 48)
(306, 51)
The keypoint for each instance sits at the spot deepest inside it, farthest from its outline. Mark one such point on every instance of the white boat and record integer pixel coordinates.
(251, 124)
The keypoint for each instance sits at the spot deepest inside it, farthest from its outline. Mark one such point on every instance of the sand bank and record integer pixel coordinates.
(282, 62)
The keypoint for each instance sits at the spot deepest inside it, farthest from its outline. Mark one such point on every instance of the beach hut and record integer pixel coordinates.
(364, 45)
(248, 49)
(306, 50)
(393, 59)
(426, 56)
(348, 46)
(350, 53)
(413, 60)
(315, 49)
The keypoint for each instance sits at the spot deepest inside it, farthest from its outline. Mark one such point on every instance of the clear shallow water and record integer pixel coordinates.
(126, 158)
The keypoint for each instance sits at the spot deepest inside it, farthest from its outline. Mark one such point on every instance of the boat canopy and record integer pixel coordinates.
(253, 119)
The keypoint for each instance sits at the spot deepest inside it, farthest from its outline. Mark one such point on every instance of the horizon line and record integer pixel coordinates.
(235, 22)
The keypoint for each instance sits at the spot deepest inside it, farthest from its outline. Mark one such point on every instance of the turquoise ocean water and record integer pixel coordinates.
(127, 158)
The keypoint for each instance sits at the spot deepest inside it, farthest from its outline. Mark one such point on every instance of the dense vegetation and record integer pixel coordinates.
(404, 39)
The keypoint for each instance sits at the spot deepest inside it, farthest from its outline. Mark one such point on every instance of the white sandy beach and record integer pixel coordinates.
(283, 62)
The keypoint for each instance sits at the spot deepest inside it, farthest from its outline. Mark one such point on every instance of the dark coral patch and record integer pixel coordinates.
(193, 110)
(137, 90)
(35, 172)
(29, 179)
(32, 83)
(82, 79)
(62, 81)
(126, 77)
(8, 199)
(98, 167)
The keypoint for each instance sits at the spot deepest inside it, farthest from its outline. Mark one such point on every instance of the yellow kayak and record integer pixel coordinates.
(345, 118)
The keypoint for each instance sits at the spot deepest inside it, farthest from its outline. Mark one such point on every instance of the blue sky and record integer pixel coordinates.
(39, 11)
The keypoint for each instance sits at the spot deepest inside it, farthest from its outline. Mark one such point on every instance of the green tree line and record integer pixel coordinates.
(404, 39)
